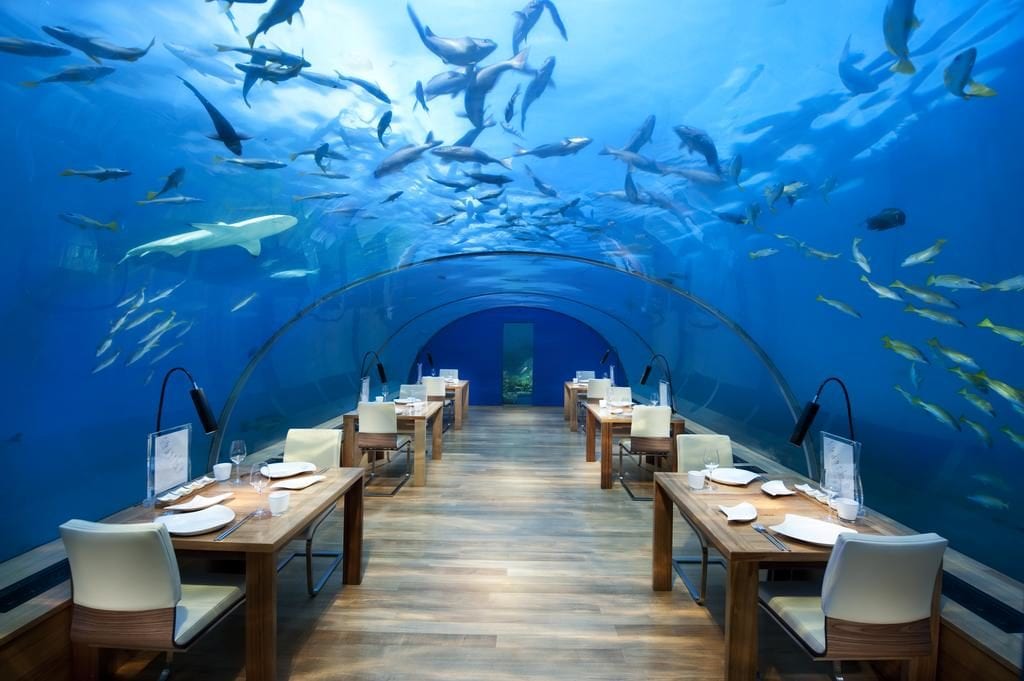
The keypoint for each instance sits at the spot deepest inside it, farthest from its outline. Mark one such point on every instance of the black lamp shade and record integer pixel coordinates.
(206, 416)
(803, 424)
(380, 372)
(647, 374)
(604, 357)
(430, 359)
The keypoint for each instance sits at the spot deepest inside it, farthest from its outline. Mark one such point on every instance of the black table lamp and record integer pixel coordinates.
(803, 424)
(604, 357)
(199, 400)
(668, 376)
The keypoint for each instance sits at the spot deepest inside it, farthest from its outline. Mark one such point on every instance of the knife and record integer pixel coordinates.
(234, 527)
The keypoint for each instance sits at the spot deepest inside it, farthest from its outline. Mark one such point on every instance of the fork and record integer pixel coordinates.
(763, 530)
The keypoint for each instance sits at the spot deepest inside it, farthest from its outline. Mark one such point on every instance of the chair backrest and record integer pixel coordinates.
(434, 386)
(650, 421)
(414, 391)
(597, 388)
(690, 450)
(378, 417)
(319, 446)
(873, 579)
(449, 373)
(615, 394)
(125, 568)
(584, 376)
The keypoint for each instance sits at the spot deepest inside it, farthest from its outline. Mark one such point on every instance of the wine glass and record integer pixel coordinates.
(237, 453)
(259, 483)
(831, 486)
(711, 462)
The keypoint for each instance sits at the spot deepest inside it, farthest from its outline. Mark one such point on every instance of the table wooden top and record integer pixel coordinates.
(417, 412)
(625, 417)
(738, 540)
(257, 535)
(573, 385)
(452, 385)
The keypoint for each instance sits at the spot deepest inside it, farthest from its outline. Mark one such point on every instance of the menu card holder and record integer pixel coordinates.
(611, 373)
(419, 372)
(168, 464)
(364, 390)
(840, 465)
(663, 393)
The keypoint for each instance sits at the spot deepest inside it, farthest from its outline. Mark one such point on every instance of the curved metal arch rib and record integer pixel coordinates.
(787, 393)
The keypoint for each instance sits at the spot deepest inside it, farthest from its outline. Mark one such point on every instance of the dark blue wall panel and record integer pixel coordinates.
(473, 345)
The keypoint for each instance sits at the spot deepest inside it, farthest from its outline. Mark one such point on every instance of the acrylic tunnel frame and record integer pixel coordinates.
(240, 383)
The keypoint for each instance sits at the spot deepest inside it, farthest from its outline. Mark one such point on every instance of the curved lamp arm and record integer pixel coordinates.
(380, 366)
(811, 409)
(199, 400)
(668, 376)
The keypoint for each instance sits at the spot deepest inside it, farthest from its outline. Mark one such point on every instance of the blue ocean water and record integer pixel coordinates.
(681, 269)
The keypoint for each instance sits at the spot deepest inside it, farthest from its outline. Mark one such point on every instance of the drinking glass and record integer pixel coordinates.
(237, 453)
(711, 462)
(831, 487)
(259, 483)
(654, 400)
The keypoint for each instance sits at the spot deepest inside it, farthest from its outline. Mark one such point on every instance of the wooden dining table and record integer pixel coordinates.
(410, 417)
(460, 398)
(605, 421)
(745, 551)
(571, 392)
(259, 540)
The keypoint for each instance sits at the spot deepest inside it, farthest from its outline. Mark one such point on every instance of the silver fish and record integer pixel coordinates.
(245, 301)
(105, 363)
(143, 319)
(859, 258)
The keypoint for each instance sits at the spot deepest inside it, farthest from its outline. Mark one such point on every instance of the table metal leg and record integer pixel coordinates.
(436, 430)
(591, 425)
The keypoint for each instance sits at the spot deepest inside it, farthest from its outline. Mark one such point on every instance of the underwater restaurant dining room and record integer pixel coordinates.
(517, 340)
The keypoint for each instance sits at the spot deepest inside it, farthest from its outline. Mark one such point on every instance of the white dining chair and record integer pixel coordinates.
(322, 448)
(690, 449)
(879, 600)
(584, 376)
(452, 374)
(378, 434)
(126, 590)
(650, 439)
(436, 392)
(597, 390)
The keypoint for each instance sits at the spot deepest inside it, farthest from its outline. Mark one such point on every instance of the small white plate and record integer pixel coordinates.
(614, 411)
(406, 400)
(776, 488)
(734, 476)
(200, 502)
(742, 512)
(198, 522)
(811, 530)
(287, 469)
(620, 404)
(298, 483)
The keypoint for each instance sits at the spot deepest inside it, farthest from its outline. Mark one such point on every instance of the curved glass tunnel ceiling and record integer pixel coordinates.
(777, 110)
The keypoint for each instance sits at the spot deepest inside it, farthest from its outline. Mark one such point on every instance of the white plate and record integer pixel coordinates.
(406, 400)
(614, 411)
(811, 530)
(199, 522)
(298, 483)
(200, 502)
(620, 404)
(287, 469)
(776, 488)
(741, 512)
(734, 476)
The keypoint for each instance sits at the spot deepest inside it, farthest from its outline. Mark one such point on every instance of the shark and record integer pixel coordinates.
(246, 234)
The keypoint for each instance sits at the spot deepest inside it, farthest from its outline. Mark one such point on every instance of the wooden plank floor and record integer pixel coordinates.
(511, 564)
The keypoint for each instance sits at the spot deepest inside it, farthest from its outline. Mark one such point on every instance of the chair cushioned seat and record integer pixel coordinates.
(799, 606)
(199, 606)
